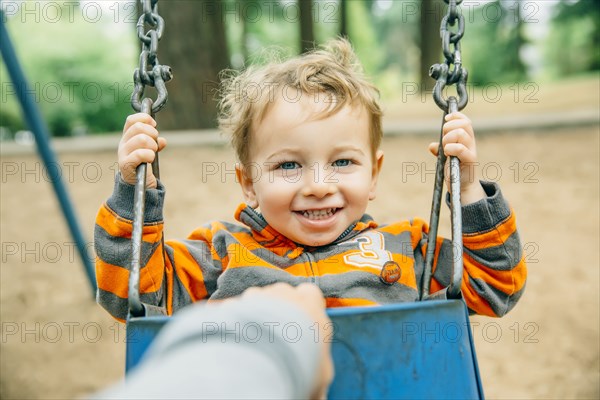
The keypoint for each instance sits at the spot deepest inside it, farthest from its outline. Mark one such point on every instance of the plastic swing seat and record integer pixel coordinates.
(420, 350)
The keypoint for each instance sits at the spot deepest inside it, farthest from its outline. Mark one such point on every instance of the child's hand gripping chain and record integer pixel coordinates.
(459, 141)
(139, 144)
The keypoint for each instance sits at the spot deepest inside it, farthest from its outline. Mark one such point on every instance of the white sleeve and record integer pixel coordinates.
(240, 349)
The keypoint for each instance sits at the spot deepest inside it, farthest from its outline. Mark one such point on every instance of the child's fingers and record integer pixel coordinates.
(459, 136)
(139, 117)
(136, 158)
(433, 148)
(162, 143)
(457, 115)
(138, 142)
(458, 121)
(464, 154)
(458, 124)
(140, 128)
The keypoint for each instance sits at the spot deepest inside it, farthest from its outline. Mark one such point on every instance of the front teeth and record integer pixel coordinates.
(319, 214)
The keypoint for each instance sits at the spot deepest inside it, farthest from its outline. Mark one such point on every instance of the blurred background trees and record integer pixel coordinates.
(79, 57)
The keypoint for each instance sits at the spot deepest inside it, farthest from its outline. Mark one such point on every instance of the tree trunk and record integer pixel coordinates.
(515, 42)
(244, 22)
(307, 37)
(194, 45)
(343, 18)
(431, 47)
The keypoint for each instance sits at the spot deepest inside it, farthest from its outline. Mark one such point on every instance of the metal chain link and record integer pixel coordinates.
(451, 71)
(150, 71)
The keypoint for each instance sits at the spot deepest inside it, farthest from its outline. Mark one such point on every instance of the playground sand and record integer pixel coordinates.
(57, 343)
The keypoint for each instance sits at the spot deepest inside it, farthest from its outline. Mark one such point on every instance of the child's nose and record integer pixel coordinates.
(318, 184)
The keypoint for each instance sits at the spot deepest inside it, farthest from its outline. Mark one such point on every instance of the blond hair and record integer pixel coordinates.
(333, 70)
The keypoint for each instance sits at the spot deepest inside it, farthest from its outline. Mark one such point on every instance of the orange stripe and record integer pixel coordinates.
(169, 277)
(438, 246)
(337, 302)
(204, 233)
(517, 275)
(188, 272)
(300, 269)
(416, 229)
(495, 237)
(119, 227)
(507, 282)
(476, 303)
(435, 285)
(398, 228)
(151, 275)
(112, 278)
(280, 248)
(115, 279)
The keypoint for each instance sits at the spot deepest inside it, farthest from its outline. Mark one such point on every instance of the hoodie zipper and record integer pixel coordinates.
(310, 259)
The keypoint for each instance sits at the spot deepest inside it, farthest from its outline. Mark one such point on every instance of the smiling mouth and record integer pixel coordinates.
(316, 215)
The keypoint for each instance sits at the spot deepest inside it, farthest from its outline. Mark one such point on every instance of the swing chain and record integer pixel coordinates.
(150, 71)
(448, 73)
(451, 71)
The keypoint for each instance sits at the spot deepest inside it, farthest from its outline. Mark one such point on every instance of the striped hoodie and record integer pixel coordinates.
(222, 259)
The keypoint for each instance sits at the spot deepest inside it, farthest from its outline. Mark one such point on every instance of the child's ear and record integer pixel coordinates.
(247, 185)
(375, 173)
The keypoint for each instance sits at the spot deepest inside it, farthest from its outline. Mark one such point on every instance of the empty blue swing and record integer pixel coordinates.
(420, 350)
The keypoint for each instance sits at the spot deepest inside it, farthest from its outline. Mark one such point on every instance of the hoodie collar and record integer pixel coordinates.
(267, 236)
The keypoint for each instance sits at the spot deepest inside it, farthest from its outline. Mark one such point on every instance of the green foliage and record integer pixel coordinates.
(492, 44)
(364, 37)
(573, 44)
(80, 70)
(255, 26)
(396, 26)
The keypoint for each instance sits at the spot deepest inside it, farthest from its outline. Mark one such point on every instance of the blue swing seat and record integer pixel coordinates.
(418, 350)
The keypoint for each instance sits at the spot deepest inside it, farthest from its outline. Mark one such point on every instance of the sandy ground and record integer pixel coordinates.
(57, 343)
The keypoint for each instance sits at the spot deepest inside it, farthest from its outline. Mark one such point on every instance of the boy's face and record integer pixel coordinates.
(311, 178)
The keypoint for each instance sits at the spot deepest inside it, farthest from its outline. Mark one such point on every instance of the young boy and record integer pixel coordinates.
(307, 134)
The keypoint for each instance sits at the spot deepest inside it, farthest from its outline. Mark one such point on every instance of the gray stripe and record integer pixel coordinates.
(117, 251)
(419, 264)
(364, 285)
(121, 201)
(354, 284)
(220, 246)
(500, 258)
(234, 281)
(253, 219)
(512, 300)
(211, 269)
(500, 302)
(485, 214)
(267, 255)
(444, 266)
(118, 306)
(181, 297)
(399, 244)
(233, 228)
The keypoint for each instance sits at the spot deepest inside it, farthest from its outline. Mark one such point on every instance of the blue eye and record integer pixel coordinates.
(341, 163)
(289, 165)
